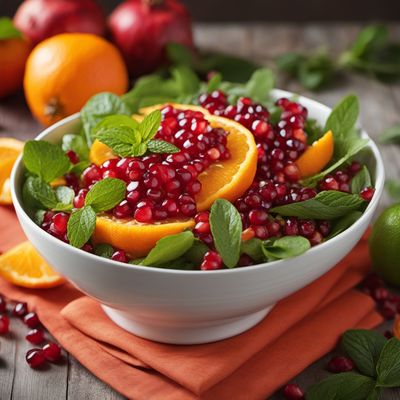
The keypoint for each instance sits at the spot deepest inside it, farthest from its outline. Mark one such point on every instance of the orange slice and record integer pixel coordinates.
(135, 238)
(317, 156)
(10, 149)
(24, 266)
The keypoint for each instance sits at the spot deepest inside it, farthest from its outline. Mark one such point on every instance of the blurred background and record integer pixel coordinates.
(271, 10)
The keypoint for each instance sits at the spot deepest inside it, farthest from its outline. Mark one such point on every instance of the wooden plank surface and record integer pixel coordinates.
(380, 105)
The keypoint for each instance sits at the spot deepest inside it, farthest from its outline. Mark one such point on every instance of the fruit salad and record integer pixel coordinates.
(227, 178)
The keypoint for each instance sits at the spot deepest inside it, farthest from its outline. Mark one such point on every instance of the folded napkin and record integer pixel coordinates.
(299, 330)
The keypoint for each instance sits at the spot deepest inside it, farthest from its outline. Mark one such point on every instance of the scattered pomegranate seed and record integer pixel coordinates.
(73, 157)
(293, 392)
(35, 358)
(367, 193)
(3, 305)
(120, 256)
(20, 310)
(35, 336)
(52, 352)
(340, 364)
(4, 324)
(211, 261)
(388, 310)
(31, 320)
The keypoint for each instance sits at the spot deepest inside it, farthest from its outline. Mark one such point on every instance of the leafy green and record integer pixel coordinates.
(390, 135)
(285, 247)
(214, 82)
(148, 127)
(105, 194)
(81, 225)
(388, 366)
(226, 228)
(169, 249)
(314, 130)
(330, 204)
(253, 248)
(364, 348)
(161, 146)
(196, 253)
(77, 144)
(122, 140)
(45, 160)
(361, 180)
(104, 250)
(343, 223)
(260, 84)
(8, 30)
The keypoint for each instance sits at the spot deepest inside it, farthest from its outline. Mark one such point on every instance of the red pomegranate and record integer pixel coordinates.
(40, 19)
(142, 28)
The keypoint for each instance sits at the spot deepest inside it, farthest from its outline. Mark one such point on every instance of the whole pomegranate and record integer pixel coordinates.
(40, 19)
(142, 28)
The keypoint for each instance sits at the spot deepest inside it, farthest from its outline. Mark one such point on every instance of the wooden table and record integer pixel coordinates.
(380, 108)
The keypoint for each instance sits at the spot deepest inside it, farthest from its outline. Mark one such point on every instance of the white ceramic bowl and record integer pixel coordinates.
(187, 307)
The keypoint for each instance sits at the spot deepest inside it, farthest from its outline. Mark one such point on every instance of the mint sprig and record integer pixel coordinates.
(285, 247)
(81, 225)
(77, 144)
(8, 30)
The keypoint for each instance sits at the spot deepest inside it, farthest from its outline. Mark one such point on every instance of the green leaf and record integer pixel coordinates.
(118, 121)
(214, 82)
(186, 80)
(106, 194)
(77, 144)
(149, 126)
(393, 189)
(8, 30)
(161, 146)
(330, 204)
(196, 253)
(285, 247)
(344, 386)
(179, 54)
(390, 135)
(364, 348)
(104, 250)
(388, 367)
(39, 216)
(65, 195)
(38, 194)
(253, 248)
(361, 180)
(289, 62)
(368, 40)
(343, 223)
(260, 85)
(226, 228)
(79, 167)
(81, 225)
(121, 140)
(314, 131)
(343, 117)
(169, 248)
(45, 160)
(98, 107)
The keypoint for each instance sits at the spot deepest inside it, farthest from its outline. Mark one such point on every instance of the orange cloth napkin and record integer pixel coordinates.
(298, 331)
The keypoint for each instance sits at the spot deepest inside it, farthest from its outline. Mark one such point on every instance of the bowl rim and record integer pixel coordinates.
(379, 184)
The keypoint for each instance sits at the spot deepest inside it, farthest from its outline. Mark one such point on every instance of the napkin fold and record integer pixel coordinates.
(298, 331)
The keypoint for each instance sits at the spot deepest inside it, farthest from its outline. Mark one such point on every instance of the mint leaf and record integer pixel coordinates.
(390, 135)
(169, 248)
(260, 85)
(38, 217)
(38, 194)
(149, 126)
(81, 226)
(344, 386)
(8, 30)
(361, 180)
(65, 194)
(368, 40)
(105, 194)
(122, 141)
(45, 160)
(364, 348)
(196, 253)
(161, 146)
(186, 80)
(79, 167)
(104, 250)
(226, 228)
(253, 248)
(179, 54)
(330, 204)
(118, 121)
(285, 247)
(393, 189)
(98, 107)
(214, 82)
(388, 367)
(77, 144)
(343, 116)
(343, 223)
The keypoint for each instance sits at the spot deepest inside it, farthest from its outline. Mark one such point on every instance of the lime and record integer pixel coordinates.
(384, 245)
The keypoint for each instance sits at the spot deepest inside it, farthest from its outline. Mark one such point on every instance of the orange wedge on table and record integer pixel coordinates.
(227, 179)
(317, 156)
(10, 149)
(24, 266)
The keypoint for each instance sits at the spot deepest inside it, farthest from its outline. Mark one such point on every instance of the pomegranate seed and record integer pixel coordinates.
(367, 193)
(245, 261)
(354, 168)
(202, 216)
(380, 294)
(20, 310)
(340, 364)
(211, 261)
(60, 222)
(293, 392)
(120, 256)
(73, 157)
(91, 175)
(291, 227)
(122, 210)
(316, 238)
(87, 247)
(4, 324)
(79, 199)
(329, 183)
(258, 217)
(388, 310)
(31, 320)
(3, 305)
(52, 352)
(35, 358)
(144, 214)
(306, 228)
(202, 228)
(35, 336)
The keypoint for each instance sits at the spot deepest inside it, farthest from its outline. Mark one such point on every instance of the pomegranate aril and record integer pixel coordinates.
(91, 175)
(316, 238)
(120, 256)
(260, 231)
(293, 392)
(340, 364)
(211, 261)
(73, 157)
(4, 324)
(144, 214)
(367, 193)
(31, 320)
(380, 294)
(35, 336)
(122, 210)
(258, 217)
(87, 247)
(291, 227)
(3, 305)
(329, 183)
(306, 228)
(202, 216)
(20, 310)
(60, 222)
(388, 310)
(79, 199)
(189, 209)
(35, 358)
(202, 228)
(52, 352)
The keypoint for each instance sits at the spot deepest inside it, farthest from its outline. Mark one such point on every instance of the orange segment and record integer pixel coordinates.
(99, 152)
(317, 156)
(135, 238)
(10, 149)
(24, 266)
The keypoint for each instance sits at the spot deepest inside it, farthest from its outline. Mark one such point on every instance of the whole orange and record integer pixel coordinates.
(13, 55)
(64, 71)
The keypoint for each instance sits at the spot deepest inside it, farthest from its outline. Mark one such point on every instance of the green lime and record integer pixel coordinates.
(384, 245)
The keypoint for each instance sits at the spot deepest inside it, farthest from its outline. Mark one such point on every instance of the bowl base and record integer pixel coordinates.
(190, 333)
